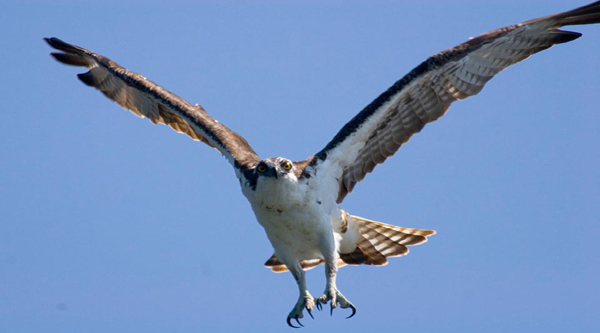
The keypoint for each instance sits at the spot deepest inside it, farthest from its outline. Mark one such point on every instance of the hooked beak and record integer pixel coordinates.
(273, 173)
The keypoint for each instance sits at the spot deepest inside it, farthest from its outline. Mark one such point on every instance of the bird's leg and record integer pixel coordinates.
(331, 292)
(305, 300)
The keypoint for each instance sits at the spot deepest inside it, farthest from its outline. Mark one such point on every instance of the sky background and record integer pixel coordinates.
(111, 224)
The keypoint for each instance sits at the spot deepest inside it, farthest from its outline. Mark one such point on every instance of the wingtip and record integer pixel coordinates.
(566, 36)
(48, 40)
(60, 44)
(52, 41)
(71, 55)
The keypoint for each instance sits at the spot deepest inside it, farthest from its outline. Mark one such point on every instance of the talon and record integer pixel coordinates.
(331, 310)
(289, 322)
(298, 321)
(310, 313)
(353, 311)
(319, 306)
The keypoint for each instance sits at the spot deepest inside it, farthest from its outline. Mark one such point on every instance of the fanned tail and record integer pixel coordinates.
(378, 241)
(374, 243)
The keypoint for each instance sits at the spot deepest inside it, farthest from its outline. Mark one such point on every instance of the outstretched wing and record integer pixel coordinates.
(147, 99)
(424, 94)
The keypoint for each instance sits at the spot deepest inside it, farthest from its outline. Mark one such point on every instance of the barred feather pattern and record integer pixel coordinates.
(278, 267)
(376, 242)
(379, 241)
(147, 99)
(426, 93)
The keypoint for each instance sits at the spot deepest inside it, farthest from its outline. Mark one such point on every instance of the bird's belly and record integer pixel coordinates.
(298, 231)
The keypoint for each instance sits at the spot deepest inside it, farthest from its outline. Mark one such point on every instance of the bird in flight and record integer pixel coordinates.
(298, 202)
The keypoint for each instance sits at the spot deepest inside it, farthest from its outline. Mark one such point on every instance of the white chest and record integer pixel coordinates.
(293, 215)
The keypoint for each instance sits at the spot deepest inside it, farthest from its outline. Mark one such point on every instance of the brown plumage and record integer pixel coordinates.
(425, 94)
(147, 99)
(379, 241)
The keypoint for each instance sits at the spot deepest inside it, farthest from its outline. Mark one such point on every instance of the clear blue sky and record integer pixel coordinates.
(111, 224)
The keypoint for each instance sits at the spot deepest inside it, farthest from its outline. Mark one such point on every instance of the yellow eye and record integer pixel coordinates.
(261, 168)
(286, 166)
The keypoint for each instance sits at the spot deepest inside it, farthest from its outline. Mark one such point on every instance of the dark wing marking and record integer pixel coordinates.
(378, 241)
(424, 94)
(147, 99)
(279, 267)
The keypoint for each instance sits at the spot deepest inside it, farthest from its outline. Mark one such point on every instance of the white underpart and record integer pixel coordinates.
(296, 215)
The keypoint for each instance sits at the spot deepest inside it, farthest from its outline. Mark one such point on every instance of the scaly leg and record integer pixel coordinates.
(305, 300)
(331, 292)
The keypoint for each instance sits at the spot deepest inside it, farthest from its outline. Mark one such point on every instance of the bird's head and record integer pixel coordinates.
(275, 167)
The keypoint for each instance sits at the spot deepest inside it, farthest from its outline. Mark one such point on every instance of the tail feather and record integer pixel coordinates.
(378, 241)
(375, 243)
(279, 267)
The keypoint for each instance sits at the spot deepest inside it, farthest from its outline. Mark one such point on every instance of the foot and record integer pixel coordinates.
(334, 295)
(304, 302)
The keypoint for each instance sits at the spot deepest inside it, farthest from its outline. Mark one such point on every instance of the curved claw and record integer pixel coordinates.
(310, 313)
(289, 321)
(319, 306)
(353, 311)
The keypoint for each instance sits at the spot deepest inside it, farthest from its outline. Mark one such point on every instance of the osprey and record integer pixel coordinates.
(298, 202)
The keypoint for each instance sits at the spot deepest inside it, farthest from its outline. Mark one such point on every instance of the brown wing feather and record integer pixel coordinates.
(147, 99)
(472, 65)
(425, 94)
